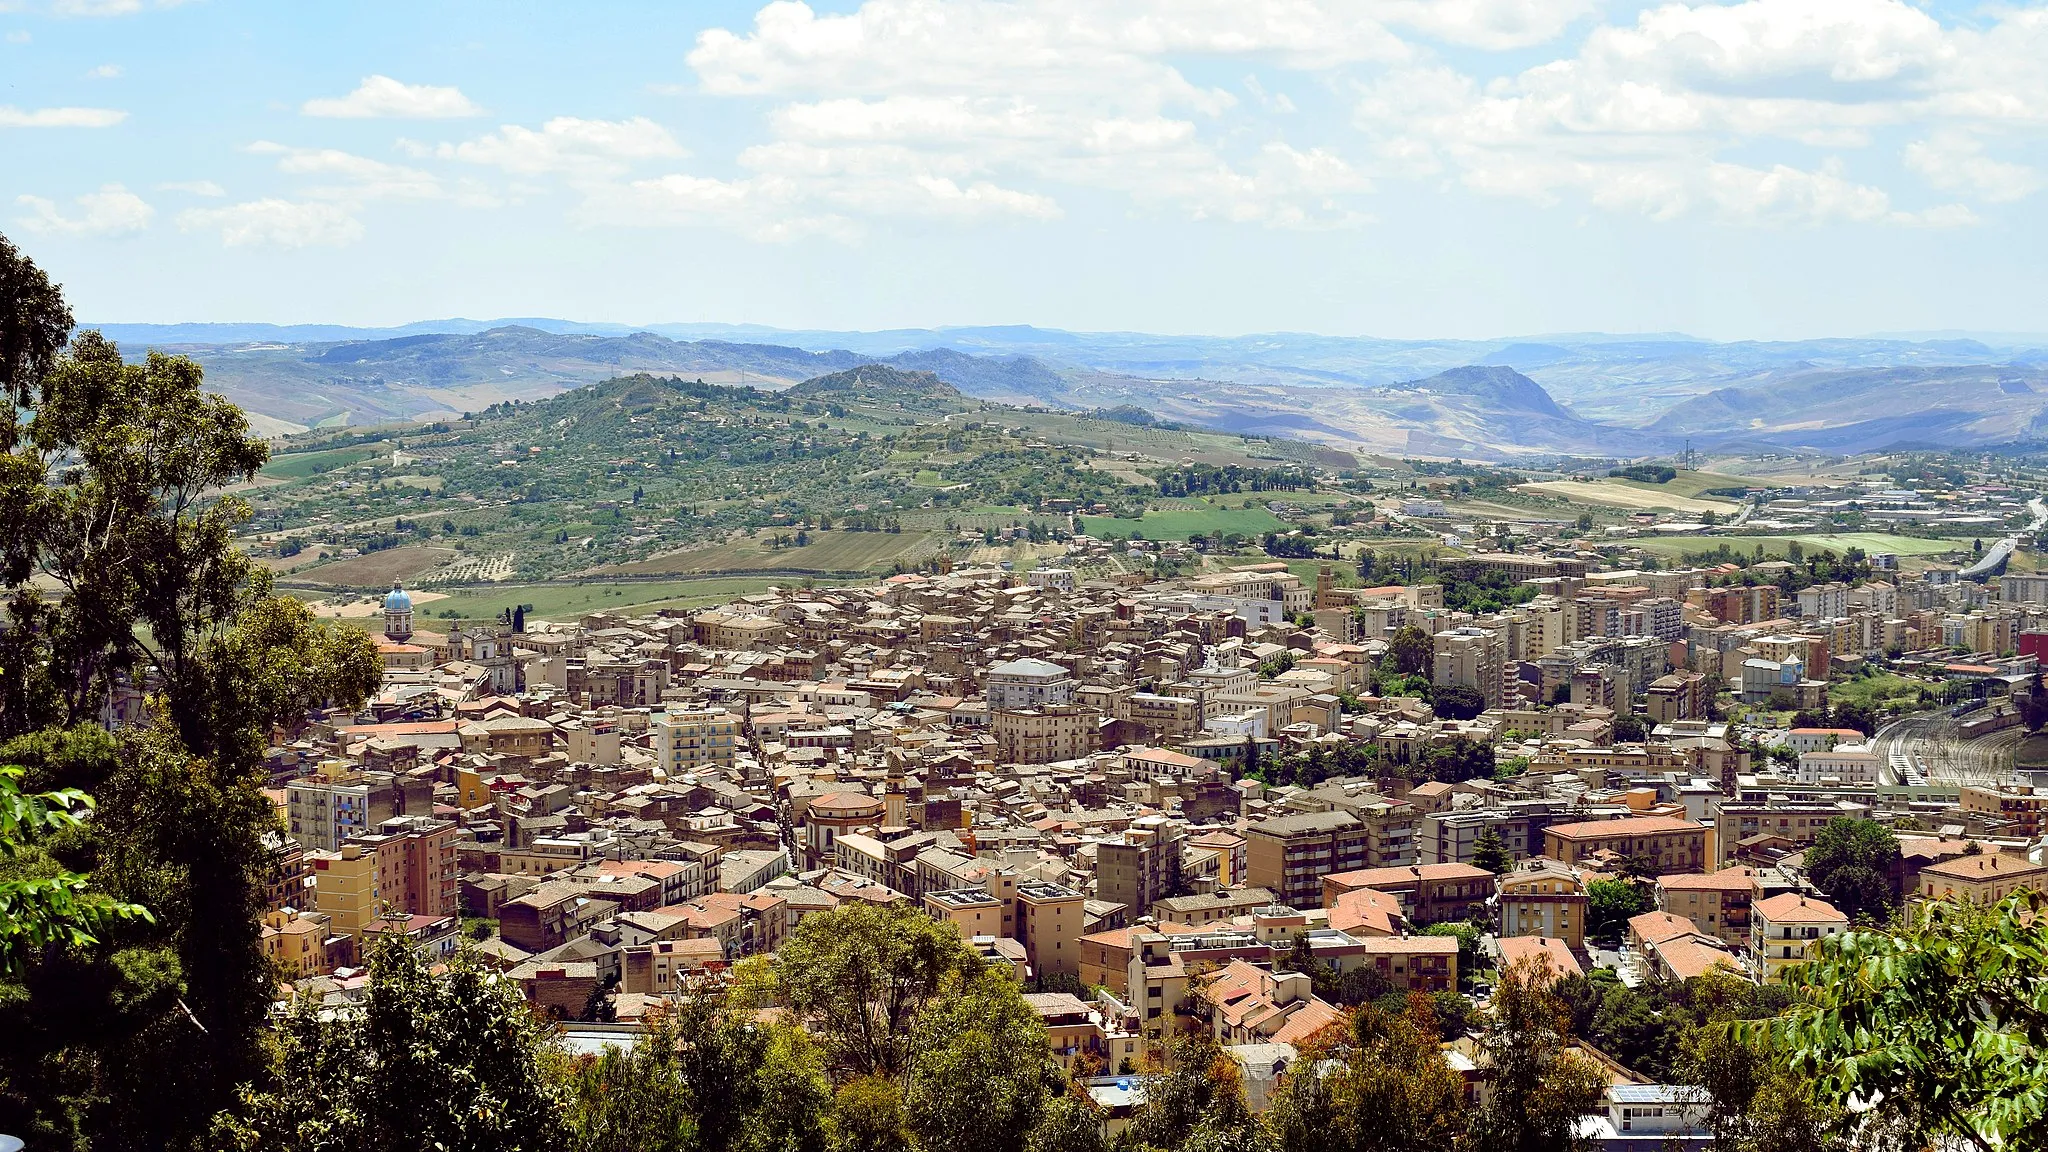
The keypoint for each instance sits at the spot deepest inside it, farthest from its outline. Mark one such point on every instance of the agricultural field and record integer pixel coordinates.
(1171, 445)
(1179, 519)
(834, 551)
(300, 465)
(374, 569)
(1693, 484)
(1673, 547)
(1631, 496)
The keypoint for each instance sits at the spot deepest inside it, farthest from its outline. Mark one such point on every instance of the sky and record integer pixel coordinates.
(1398, 168)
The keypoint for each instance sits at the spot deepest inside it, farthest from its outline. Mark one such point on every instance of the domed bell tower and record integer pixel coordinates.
(397, 615)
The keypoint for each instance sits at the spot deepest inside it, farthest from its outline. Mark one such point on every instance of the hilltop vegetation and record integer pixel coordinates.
(645, 475)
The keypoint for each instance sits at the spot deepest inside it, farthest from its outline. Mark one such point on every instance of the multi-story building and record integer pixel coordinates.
(1541, 897)
(1848, 763)
(1981, 878)
(1291, 854)
(1018, 685)
(345, 883)
(323, 811)
(1141, 866)
(1824, 601)
(305, 943)
(1413, 963)
(687, 738)
(970, 911)
(1048, 924)
(1668, 843)
(1785, 927)
(1677, 696)
(1469, 658)
(2011, 810)
(1429, 893)
(1718, 902)
(1046, 735)
(1792, 825)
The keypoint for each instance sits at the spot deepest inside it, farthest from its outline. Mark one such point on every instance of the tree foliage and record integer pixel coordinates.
(448, 1059)
(1851, 860)
(1537, 1087)
(128, 602)
(1610, 904)
(1937, 1027)
(42, 904)
(1385, 1087)
(706, 1076)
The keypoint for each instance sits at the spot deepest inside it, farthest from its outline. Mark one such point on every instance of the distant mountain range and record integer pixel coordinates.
(1584, 393)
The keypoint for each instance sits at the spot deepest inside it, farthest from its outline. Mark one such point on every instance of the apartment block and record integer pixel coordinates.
(1290, 855)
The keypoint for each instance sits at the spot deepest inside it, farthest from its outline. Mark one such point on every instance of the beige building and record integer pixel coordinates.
(1718, 902)
(1669, 843)
(1786, 926)
(1291, 854)
(1543, 898)
(1046, 735)
(688, 738)
(1048, 919)
(1981, 878)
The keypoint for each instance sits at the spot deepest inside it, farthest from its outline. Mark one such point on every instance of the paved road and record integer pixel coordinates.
(1932, 739)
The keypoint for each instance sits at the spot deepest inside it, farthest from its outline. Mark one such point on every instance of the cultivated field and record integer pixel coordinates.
(299, 465)
(375, 569)
(1612, 492)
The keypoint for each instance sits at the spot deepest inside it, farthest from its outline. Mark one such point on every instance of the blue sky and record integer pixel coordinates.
(1405, 168)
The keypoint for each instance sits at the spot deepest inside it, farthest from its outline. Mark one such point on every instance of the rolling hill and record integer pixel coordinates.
(1501, 399)
(1860, 410)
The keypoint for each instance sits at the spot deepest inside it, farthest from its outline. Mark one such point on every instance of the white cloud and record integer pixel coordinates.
(12, 117)
(975, 107)
(276, 223)
(1955, 162)
(355, 177)
(111, 211)
(19, 36)
(564, 145)
(383, 97)
(193, 188)
(105, 72)
(1648, 117)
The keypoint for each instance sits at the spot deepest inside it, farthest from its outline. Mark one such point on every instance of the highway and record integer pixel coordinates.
(1993, 561)
(1931, 740)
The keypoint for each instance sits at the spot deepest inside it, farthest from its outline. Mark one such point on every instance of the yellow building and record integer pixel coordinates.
(1544, 898)
(303, 944)
(687, 738)
(346, 887)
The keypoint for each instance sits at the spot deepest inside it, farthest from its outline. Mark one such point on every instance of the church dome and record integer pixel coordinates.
(398, 601)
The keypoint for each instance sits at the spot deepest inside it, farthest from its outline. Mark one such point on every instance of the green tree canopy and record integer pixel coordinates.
(1936, 1028)
(431, 1059)
(1538, 1088)
(121, 577)
(1852, 861)
(1385, 1087)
